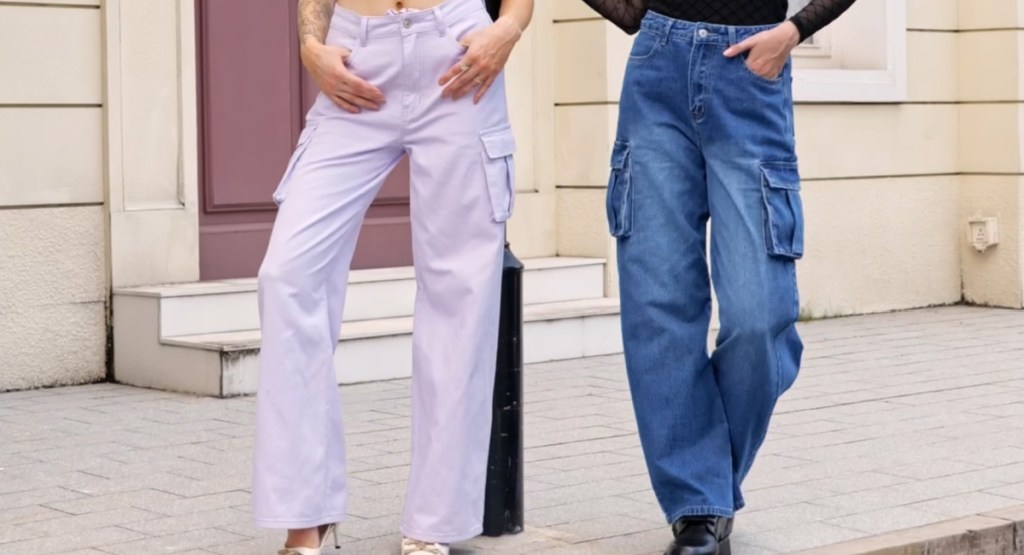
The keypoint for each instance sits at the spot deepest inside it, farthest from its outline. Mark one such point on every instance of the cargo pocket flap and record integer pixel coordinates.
(783, 210)
(619, 155)
(499, 169)
(781, 176)
(499, 143)
(300, 148)
(619, 197)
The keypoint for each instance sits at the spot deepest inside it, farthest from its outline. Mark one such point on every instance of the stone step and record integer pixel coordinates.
(230, 305)
(226, 363)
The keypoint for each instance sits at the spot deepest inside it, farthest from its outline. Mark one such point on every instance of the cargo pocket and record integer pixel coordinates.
(304, 139)
(783, 210)
(619, 201)
(500, 169)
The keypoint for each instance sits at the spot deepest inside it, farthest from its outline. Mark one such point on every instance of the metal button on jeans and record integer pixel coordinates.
(702, 33)
(407, 23)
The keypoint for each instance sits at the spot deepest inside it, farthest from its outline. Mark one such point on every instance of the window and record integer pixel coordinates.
(811, 46)
(796, 5)
(859, 58)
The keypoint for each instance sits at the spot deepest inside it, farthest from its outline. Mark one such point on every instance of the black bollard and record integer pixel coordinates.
(503, 501)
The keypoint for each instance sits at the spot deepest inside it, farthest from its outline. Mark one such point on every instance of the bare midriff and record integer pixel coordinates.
(382, 7)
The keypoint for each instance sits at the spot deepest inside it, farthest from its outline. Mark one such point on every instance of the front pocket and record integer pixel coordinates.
(499, 147)
(304, 139)
(462, 28)
(343, 40)
(352, 51)
(771, 81)
(619, 202)
(645, 45)
(783, 209)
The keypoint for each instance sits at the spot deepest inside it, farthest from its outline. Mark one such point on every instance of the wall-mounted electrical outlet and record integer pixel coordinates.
(983, 233)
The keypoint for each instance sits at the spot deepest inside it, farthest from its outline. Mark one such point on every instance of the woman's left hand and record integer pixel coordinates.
(769, 49)
(487, 51)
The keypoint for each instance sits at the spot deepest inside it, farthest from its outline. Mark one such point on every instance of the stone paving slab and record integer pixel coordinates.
(898, 424)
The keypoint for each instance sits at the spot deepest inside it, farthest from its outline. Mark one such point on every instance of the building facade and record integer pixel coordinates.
(140, 141)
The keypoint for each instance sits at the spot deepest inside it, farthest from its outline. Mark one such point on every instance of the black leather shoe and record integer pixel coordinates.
(701, 535)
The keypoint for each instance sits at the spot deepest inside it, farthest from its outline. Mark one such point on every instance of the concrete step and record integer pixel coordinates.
(226, 363)
(230, 305)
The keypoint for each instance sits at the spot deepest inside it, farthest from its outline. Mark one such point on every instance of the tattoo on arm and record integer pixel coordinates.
(315, 18)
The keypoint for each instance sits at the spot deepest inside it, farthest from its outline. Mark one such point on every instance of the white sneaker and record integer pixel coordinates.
(416, 547)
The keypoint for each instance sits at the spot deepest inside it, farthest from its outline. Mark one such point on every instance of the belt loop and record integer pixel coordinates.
(442, 28)
(732, 36)
(666, 30)
(364, 31)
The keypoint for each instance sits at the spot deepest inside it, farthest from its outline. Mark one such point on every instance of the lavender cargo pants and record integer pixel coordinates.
(461, 192)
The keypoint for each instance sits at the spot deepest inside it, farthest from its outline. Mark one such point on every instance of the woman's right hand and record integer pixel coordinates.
(327, 66)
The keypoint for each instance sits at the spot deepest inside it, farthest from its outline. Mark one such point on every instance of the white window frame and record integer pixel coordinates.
(816, 46)
(855, 85)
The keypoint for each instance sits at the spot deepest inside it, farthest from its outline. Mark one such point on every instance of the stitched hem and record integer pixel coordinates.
(706, 510)
(298, 524)
(441, 538)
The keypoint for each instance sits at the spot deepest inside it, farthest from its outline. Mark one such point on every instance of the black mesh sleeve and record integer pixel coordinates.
(493, 8)
(627, 14)
(818, 14)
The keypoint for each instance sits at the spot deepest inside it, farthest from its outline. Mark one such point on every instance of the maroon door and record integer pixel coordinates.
(253, 95)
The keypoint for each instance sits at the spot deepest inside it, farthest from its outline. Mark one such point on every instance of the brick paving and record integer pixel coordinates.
(898, 420)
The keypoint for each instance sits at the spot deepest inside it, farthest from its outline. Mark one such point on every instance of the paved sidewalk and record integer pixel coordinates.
(898, 420)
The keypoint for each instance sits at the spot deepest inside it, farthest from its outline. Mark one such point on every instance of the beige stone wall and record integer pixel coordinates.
(990, 94)
(97, 173)
(888, 188)
(590, 56)
(53, 278)
(529, 77)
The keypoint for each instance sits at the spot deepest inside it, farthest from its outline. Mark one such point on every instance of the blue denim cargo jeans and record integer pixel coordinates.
(701, 138)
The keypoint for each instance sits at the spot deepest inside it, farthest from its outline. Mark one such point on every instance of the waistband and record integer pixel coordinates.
(666, 26)
(436, 19)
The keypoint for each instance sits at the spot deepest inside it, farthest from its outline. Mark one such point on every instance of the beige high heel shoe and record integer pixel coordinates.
(416, 547)
(330, 530)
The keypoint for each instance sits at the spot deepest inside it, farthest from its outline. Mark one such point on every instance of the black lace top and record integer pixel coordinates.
(627, 14)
